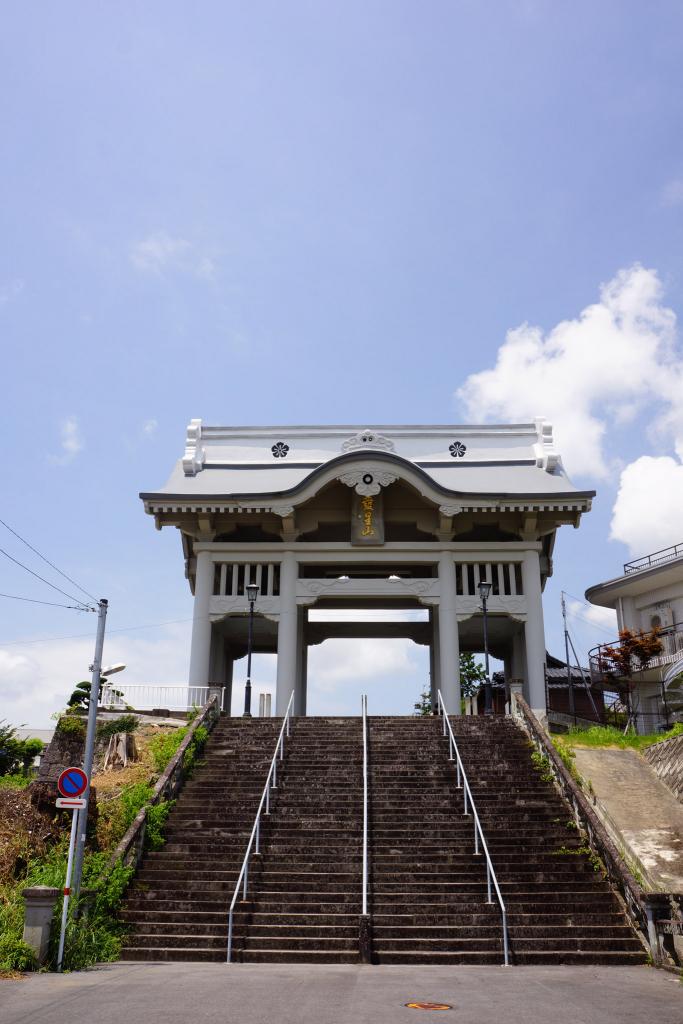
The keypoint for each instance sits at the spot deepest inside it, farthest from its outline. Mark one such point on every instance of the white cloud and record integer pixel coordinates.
(37, 679)
(71, 442)
(149, 428)
(672, 193)
(647, 510)
(335, 662)
(589, 374)
(10, 290)
(160, 253)
(604, 619)
(368, 615)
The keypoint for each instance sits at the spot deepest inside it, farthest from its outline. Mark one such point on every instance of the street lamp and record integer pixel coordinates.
(252, 594)
(484, 591)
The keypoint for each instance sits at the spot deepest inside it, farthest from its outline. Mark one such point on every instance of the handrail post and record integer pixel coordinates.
(364, 706)
(491, 880)
(365, 923)
(255, 837)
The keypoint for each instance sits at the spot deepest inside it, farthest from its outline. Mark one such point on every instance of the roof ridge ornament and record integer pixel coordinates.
(194, 456)
(368, 439)
(547, 456)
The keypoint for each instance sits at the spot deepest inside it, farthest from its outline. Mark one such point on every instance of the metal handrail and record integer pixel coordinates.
(463, 784)
(243, 877)
(364, 708)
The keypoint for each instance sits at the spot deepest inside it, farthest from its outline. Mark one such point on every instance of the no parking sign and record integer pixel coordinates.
(71, 784)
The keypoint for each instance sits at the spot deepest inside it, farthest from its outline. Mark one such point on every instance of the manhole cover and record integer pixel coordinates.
(429, 1006)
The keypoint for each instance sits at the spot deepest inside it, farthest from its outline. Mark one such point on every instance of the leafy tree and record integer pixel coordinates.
(80, 698)
(472, 676)
(424, 705)
(633, 652)
(16, 754)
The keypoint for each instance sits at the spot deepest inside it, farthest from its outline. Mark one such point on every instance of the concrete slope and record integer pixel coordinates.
(641, 812)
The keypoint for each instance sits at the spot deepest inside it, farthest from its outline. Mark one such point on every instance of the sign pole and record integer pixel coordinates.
(67, 888)
(90, 740)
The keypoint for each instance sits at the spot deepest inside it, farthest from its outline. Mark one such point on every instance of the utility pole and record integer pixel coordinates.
(570, 682)
(96, 667)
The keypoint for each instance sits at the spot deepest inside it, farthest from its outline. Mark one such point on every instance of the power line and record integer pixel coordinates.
(590, 622)
(80, 636)
(53, 604)
(43, 580)
(47, 561)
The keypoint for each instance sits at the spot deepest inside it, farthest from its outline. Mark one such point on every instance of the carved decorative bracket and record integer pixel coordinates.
(367, 481)
(547, 457)
(285, 511)
(194, 456)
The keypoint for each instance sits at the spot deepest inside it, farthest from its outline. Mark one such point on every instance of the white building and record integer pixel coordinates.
(349, 517)
(648, 594)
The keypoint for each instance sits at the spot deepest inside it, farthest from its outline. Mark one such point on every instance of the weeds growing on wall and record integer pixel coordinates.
(165, 745)
(567, 756)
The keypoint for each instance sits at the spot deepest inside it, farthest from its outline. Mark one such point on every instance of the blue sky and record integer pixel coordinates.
(324, 212)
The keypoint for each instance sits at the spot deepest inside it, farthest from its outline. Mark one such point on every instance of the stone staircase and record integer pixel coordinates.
(177, 907)
(428, 890)
(308, 897)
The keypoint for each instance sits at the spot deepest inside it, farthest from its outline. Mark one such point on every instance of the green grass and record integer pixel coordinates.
(95, 937)
(609, 736)
(15, 781)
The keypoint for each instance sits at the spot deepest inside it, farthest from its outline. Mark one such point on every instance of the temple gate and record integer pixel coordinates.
(395, 517)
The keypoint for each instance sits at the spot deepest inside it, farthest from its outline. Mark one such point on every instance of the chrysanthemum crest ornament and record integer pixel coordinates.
(280, 450)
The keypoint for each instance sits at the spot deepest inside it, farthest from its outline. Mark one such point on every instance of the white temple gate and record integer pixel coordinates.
(382, 517)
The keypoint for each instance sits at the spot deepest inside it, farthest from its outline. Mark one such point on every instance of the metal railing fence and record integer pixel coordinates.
(147, 696)
(656, 558)
(462, 783)
(255, 837)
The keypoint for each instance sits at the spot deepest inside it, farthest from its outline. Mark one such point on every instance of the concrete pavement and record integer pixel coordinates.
(180, 993)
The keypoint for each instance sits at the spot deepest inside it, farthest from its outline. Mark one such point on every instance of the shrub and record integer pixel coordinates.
(70, 725)
(15, 954)
(124, 723)
(164, 745)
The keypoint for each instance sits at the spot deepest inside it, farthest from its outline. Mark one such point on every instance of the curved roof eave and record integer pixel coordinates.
(409, 472)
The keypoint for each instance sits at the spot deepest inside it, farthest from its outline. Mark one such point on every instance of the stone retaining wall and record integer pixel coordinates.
(666, 758)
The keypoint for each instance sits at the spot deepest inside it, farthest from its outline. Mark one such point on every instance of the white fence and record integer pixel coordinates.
(146, 697)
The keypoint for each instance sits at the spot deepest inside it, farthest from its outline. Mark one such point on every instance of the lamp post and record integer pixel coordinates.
(484, 591)
(252, 594)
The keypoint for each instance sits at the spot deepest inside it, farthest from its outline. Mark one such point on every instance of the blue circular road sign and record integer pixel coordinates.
(72, 782)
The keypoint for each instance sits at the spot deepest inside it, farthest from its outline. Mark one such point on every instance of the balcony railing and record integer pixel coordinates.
(605, 666)
(665, 555)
